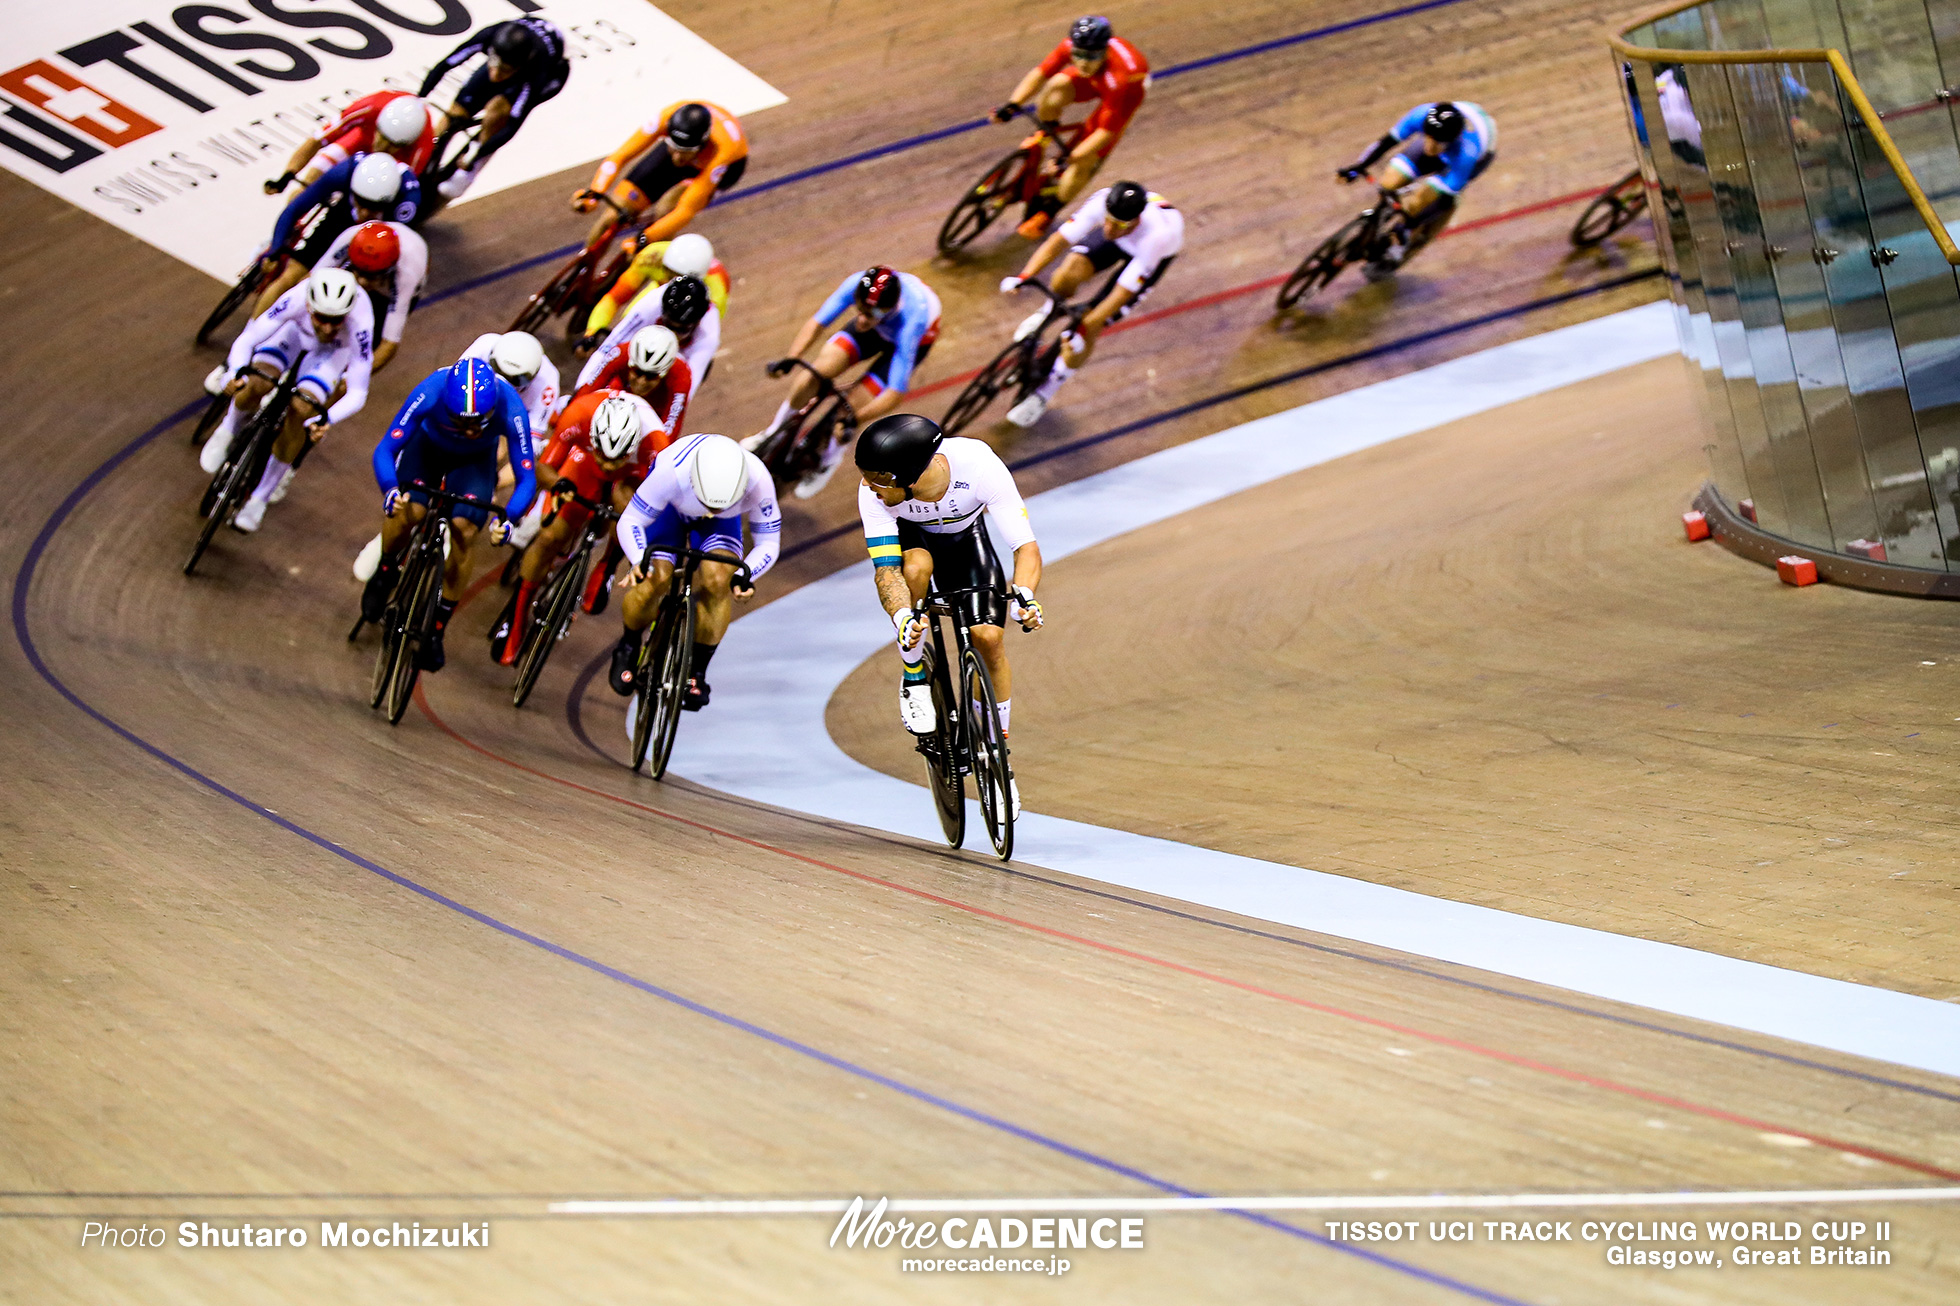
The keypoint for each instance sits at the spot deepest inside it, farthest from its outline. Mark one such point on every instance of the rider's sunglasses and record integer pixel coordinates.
(883, 481)
(324, 326)
(1085, 58)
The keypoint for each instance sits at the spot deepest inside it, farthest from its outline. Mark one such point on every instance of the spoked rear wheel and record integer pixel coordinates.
(985, 744)
(941, 752)
(417, 616)
(982, 204)
(1321, 266)
(550, 613)
(1003, 373)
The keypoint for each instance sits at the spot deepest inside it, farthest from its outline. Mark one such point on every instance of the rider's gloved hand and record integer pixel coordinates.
(564, 485)
(391, 502)
(1021, 607)
(1006, 112)
(911, 628)
(279, 183)
(316, 426)
(1348, 175)
(498, 531)
(1008, 285)
(780, 367)
(587, 343)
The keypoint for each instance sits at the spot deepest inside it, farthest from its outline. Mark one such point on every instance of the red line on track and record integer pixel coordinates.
(1267, 283)
(1111, 949)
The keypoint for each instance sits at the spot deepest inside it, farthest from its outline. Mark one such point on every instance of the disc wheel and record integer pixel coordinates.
(988, 750)
(985, 201)
(1321, 266)
(551, 613)
(941, 753)
(1001, 374)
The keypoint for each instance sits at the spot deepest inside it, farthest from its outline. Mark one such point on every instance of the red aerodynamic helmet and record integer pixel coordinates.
(375, 247)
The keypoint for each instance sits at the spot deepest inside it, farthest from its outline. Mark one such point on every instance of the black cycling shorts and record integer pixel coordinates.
(656, 173)
(524, 93)
(963, 561)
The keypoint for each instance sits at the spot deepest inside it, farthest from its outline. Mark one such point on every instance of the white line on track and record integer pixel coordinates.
(1391, 1202)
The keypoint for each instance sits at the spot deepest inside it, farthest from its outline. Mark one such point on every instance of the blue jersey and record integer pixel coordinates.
(1462, 155)
(905, 326)
(333, 188)
(425, 419)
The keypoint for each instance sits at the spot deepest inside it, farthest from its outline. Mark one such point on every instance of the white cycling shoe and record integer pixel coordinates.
(1028, 411)
(212, 456)
(754, 442)
(285, 483)
(249, 517)
(368, 560)
(915, 709)
(1030, 324)
(215, 380)
(812, 485)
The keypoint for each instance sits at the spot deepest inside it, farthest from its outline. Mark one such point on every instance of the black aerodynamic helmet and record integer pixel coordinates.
(1090, 35)
(900, 445)
(688, 127)
(515, 44)
(1443, 123)
(684, 302)
(1127, 201)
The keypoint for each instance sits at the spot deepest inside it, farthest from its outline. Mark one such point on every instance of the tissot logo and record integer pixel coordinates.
(163, 118)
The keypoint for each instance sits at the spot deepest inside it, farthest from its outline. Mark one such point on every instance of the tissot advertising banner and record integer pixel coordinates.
(164, 119)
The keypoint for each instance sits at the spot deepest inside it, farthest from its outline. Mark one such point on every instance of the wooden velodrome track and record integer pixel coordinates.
(266, 957)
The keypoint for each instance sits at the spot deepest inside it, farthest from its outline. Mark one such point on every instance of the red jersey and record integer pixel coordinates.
(669, 398)
(1119, 84)
(354, 131)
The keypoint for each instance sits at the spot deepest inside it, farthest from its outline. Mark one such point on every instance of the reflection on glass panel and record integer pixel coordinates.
(1890, 45)
(1760, 99)
(1685, 94)
(1697, 333)
(1924, 300)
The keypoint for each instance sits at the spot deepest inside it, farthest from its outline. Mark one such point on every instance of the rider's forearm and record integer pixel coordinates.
(1028, 86)
(302, 156)
(804, 336)
(1027, 565)
(1045, 253)
(893, 592)
(675, 220)
(1379, 148)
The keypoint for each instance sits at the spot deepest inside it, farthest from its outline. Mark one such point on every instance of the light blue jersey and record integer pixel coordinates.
(1461, 157)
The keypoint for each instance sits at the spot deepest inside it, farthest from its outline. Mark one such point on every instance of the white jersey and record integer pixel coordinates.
(698, 349)
(1158, 235)
(540, 393)
(980, 483)
(409, 273)
(666, 489)
(285, 332)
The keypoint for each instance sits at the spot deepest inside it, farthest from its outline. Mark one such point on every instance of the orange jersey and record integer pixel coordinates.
(1120, 84)
(727, 142)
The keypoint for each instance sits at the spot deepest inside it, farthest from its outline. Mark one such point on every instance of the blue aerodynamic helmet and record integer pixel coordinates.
(470, 393)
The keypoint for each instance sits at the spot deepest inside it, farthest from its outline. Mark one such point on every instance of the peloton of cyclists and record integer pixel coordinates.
(329, 323)
(921, 503)
(896, 321)
(446, 436)
(523, 66)
(364, 188)
(1121, 224)
(687, 155)
(390, 122)
(1092, 64)
(697, 495)
(1444, 145)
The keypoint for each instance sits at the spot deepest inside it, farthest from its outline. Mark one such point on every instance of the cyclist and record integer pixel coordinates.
(518, 358)
(921, 503)
(684, 307)
(697, 495)
(603, 445)
(1092, 64)
(697, 151)
(1119, 225)
(391, 261)
(1446, 146)
(447, 435)
(364, 188)
(523, 65)
(331, 324)
(651, 367)
(657, 263)
(897, 319)
(392, 122)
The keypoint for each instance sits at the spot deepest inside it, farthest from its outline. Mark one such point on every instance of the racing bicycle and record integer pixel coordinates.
(578, 285)
(797, 447)
(1028, 358)
(1362, 239)
(1611, 209)
(455, 144)
(1017, 179)
(409, 622)
(660, 681)
(555, 607)
(969, 741)
(258, 275)
(244, 462)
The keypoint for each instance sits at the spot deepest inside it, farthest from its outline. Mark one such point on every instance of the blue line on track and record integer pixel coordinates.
(960, 129)
(23, 584)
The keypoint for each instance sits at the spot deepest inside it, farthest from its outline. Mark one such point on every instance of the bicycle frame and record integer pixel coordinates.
(788, 455)
(666, 656)
(952, 752)
(580, 281)
(556, 605)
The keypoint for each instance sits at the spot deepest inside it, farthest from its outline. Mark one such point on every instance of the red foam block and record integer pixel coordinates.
(1796, 571)
(1697, 524)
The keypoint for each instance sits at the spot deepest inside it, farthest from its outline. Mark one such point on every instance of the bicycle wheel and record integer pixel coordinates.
(551, 613)
(670, 685)
(249, 283)
(549, 302)
(235, 480)
(941, 752)
(207, 422)
(983, 203)
(1321, 266)
(417, 617)
(1610, 210)
(1001, 374)
(988, 750)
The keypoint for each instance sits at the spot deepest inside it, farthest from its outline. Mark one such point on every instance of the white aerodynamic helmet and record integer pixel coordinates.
(615, 428)
(402, 121)
(377, 180)
(688, 255)
(653, 349)
(517, 356)
(718, 472)
(330, 292)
